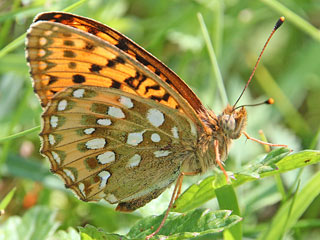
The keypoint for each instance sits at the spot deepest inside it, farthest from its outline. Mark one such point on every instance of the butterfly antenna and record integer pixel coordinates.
(268, 101)
(278, 24)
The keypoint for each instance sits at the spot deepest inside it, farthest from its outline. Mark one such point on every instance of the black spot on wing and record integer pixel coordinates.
(52, 79)
(113, 62)
(119, 60)
(156, 98)
(69, 54)
(157, 72)
(72, 65)
(115, 84)
(122, 44)
(68, 43)
(142, 60)
(95, 68)
(92, 30)
(154, 87)
(129, 81)
(78, 78)
(89, 46)
(135, 82)
(165, 97)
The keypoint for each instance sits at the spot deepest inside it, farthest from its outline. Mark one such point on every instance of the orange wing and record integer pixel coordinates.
(129, 48)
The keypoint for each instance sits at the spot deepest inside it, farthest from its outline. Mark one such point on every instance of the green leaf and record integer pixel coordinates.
(92, 233)
(195, 195)
(198, 194)
(197, 223)
(297, 160)
(70, 234)
(275, 162)
(36, 224)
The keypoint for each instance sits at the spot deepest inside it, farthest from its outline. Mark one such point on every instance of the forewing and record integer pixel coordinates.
(127, 46)
(64, 50)
(106, 143)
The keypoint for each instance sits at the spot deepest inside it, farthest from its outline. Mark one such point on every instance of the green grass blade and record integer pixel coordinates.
(13, 45)
(302, 201)
(6, 200)
(227, 200)
(74, 6)
(20, 134)
(214, 61)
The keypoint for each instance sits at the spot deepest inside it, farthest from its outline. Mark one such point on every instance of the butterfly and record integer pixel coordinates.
(117, 123)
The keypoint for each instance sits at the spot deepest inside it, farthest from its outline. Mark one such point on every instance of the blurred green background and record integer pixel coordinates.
(170, 30)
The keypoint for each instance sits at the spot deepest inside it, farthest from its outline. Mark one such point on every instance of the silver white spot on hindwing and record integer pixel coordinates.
(155, 117)
(155, 137)
(104, 121)
(175, 133)
(54, 121)
(104, 175)
(89, 131)
(56, 157)
(78, 93)
(62, 105)
(96, 143)
(106, 157)
(115, 112)
(161, 153)
(134, 161)
(52, 140)
(126, 102)
(82, 188)
(135, 138)
(69, 174)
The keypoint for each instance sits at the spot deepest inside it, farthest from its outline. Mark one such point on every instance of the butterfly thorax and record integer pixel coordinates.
(223, 128)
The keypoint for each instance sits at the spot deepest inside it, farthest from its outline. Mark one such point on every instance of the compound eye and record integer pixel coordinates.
(229, 123)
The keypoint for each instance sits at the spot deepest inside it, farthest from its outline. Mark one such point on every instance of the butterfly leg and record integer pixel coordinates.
(168, 210)
(181, 180)
(175, 194)
(262, 142)
(218, 160)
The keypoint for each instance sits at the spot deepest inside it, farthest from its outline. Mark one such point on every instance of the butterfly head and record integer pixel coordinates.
(223, 128)
(233, 122)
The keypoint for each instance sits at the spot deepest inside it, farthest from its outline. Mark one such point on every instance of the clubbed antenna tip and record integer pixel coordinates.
(279, 23)
(270, 101)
